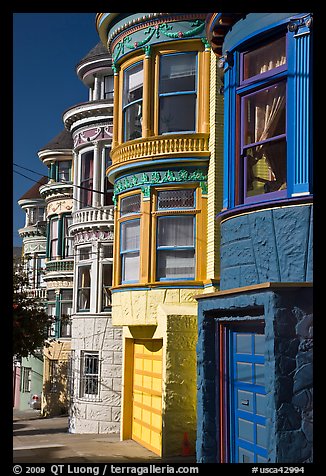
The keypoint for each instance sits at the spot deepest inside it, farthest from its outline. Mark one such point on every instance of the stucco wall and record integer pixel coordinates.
(288, 369)
(103, 415)
(267, 245)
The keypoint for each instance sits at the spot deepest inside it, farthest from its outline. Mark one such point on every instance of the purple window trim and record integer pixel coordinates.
(266, 74)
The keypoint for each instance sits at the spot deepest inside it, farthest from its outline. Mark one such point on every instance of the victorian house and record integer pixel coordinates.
(58, 197)
(96, 346)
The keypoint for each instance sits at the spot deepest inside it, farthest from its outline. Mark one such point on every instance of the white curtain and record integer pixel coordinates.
(130, 235)
(176, 231)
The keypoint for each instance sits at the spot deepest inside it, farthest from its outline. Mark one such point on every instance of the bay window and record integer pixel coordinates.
(65, 312)
(177, 92)
(132, 101)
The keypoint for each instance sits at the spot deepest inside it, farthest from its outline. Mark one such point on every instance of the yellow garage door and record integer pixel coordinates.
(147, 394)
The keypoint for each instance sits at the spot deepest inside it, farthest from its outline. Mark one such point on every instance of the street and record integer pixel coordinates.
(46, 440)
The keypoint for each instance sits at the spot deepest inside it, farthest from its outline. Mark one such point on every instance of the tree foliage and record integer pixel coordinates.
(30, 320)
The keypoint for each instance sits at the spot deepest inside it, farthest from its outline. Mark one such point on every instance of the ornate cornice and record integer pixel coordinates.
(91, 235)
(144, 180)
(140, 32)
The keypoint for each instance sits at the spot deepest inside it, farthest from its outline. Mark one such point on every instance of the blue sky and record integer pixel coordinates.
(46, 49)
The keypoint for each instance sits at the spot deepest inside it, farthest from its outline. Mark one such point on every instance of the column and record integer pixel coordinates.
(96, 201)
(75, 181)
(115, 106)
(147, 92)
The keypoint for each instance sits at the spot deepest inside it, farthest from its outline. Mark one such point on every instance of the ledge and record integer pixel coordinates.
(255, 287)
(257, 207)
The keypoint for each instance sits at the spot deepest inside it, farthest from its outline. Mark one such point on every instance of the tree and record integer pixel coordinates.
(30, 320)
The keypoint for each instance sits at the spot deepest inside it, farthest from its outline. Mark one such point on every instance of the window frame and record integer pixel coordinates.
(246, 88)
(126, 106)
(193, 92)
(52, 241)
(84, 376)
(104, 261)
(174, 212)
(86, 182)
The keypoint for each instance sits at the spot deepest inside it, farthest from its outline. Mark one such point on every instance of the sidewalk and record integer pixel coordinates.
(46, 440)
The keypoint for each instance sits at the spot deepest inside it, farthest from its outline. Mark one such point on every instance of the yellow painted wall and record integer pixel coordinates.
(55, 403)
(139, 307)
(177, 327)
(215, 172)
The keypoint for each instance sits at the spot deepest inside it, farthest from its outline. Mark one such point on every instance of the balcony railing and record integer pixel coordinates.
(88, 215)
(37, 293)
(176, 145)
(60, 265)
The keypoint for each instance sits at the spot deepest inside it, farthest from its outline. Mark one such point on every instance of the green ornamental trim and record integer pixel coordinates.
(146, 180)
(165, 29)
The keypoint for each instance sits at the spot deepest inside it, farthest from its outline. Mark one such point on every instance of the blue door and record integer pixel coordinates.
(248, 397)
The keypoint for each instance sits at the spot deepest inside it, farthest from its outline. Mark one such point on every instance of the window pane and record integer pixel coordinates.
(264, 114)
(64, 171)
(265, 58)
(107, 251)
(108, 87)
(175, 264)
(265, 168)
(130, 235)
(178, 72)
(133, 121)
(106, 284)
(177, 113)
(86, 179)
(130, 204)
(130, 267)
(85, 253)
(175, 231)
(133, 84)
(66, 294)
(176, 199)
(84, 287)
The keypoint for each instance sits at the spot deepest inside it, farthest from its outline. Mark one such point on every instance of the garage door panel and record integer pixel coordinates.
(147, 394)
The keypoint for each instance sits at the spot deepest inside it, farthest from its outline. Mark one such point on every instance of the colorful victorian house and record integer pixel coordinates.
(57, 193)
(96, 358)
(29, 382)
(254, 353)
(159, 170)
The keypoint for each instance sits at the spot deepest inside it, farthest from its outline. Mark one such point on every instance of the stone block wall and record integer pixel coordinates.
(267, 245)
(102, 415)
(287, 313)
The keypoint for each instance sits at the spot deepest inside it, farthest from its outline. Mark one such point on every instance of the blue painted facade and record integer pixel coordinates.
(265, 254)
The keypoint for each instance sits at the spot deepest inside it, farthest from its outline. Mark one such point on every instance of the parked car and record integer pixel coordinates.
(35, 401)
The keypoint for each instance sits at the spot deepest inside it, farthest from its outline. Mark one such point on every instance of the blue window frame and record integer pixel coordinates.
(130, 250)
(130, 237)
(132, 101)
(177, 92)
(276, 56)
(262, 165)
(175, 236)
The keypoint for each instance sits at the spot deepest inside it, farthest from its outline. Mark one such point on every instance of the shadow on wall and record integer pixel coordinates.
(55, 392)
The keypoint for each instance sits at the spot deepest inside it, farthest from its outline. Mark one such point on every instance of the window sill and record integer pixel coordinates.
(158, 284)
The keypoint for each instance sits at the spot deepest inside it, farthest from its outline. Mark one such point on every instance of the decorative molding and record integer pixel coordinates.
(152, 32)
(148, 179)
(300, 25)
(88, 236)
(59, 283)
(180, 144)
(59, 207)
